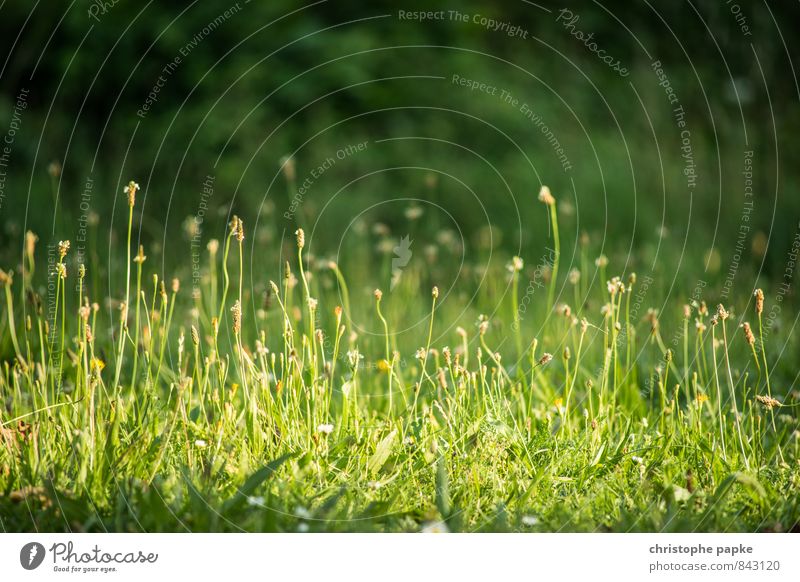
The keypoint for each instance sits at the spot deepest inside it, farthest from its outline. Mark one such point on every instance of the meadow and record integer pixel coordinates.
(540, 392)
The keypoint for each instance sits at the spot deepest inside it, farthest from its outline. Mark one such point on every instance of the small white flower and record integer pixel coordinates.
(325, 428)
(637, 460)
(302, 512)
(353, 357)
(434, 527)
(374, 485)
(255, 501)
(200, 443)
(515, 266)
(302, 527)
(529, 520)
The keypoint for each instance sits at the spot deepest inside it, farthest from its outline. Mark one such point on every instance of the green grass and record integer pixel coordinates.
(228, 409)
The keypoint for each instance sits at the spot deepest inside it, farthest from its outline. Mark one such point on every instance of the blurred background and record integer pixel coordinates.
(666, 132)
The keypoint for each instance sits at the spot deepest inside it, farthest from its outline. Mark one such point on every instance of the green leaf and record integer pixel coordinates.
(255, 480)
(382, 452)
(442, 488)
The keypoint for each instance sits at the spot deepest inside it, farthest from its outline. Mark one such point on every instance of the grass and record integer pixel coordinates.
(280, 413)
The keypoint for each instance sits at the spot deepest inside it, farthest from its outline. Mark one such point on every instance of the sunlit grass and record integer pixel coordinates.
(219, 413)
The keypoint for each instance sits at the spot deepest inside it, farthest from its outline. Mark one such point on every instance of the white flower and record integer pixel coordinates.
(353, 357)
(529, 520)
(434, 527)
(302, 512)
(515, 265)
(325, 428)
(257, 501)
(637, 460)
(200, 443)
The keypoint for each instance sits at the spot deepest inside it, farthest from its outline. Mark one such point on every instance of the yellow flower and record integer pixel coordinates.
(97, 364)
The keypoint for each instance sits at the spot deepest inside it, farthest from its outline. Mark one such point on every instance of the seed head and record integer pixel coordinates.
(545, 359)
(82, 270)
(759, 295)
(140, 257)
(30, 243)
(448, 358)
(722, 313)
(301, 238)
(240, 230)
(213, 246)
(63, 249)
(195, 336)
(516, 264)
(442, 379)
(131, 190)
(288, 166)
(545, 196)
(768, 401)
(378, 294)
(652, 318)
(435, 292)
(236, 310)
(176, 285)
(574, 276)
(748, 334)
(601, 261)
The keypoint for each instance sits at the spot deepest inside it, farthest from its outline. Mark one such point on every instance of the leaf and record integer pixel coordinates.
(382, 452)
(752, 485)
(255, 480)
(442, 488)
(599, 455)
